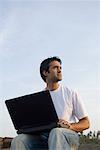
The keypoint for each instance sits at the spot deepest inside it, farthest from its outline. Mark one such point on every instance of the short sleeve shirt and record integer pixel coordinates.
(68, 105)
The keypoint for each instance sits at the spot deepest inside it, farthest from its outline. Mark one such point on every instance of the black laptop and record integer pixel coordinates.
(32, 113)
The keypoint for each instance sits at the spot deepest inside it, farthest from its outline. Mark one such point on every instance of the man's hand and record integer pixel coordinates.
(64, 124)
(83, 124)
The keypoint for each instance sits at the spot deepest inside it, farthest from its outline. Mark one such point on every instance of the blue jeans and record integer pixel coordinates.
(57, 139)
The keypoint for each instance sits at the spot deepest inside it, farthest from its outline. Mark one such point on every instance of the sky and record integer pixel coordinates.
(31, 31)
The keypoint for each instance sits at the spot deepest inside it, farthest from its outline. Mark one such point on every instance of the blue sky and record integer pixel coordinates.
(31, 31)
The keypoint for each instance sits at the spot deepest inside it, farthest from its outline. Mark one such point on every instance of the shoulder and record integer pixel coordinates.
(70, 92)
(67, 89)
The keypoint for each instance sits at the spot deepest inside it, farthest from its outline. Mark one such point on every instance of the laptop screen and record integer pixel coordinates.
(32, 111)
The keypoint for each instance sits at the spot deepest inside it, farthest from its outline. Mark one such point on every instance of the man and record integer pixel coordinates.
(71, 113)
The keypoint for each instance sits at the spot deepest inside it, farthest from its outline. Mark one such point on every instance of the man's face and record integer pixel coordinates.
(55, 72)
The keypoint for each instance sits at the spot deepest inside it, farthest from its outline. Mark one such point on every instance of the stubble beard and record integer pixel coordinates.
(57, 79)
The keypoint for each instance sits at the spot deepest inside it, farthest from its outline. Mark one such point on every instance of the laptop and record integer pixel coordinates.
(32, 113)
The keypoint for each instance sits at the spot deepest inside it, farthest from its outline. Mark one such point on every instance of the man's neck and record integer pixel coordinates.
(52, 86)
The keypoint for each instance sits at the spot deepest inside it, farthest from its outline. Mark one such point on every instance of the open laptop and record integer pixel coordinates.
(32, 113)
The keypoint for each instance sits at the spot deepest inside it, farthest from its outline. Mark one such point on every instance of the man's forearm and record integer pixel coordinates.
(81, 125)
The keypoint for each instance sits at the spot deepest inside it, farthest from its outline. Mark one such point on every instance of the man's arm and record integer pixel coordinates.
(83, 124)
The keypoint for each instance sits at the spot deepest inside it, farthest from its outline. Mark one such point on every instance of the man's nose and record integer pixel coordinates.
(59, 69)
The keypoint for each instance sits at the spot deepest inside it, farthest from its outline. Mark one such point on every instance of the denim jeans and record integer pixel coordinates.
(57, 139)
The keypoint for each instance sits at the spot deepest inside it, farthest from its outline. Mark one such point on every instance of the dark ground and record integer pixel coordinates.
(89, 147)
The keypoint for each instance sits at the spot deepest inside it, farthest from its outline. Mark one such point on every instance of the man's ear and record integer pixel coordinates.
(45, 73)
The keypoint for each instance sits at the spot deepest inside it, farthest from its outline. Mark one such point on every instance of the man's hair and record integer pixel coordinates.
(46, 64)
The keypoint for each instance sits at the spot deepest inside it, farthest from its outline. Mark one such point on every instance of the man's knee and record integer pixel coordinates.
(56, 131)
(19, 141)
(60, 131)
(20, 137)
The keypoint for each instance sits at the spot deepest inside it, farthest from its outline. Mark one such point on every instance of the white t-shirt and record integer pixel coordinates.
(67, 104)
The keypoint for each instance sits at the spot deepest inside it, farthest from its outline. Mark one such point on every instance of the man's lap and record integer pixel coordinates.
(41, 141)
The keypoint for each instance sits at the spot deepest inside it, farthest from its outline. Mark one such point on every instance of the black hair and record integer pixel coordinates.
(45, 65)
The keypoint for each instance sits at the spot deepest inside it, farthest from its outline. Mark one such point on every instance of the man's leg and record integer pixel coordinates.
(63, 139)
(29, 142)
